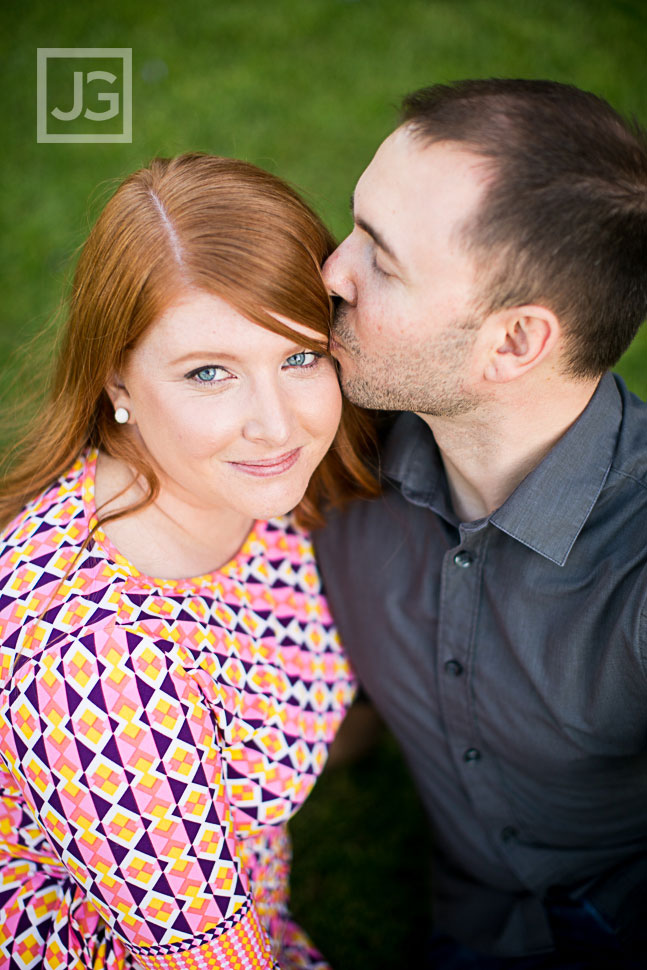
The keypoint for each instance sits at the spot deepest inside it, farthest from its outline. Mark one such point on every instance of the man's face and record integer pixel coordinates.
(405, 328)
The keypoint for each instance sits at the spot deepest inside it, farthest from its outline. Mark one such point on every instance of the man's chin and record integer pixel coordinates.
(358, 392)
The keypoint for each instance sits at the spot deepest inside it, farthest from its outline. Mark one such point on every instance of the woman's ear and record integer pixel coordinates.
(119, 396)
(522, 338)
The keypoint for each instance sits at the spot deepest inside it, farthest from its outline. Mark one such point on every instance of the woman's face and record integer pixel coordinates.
(234, 417)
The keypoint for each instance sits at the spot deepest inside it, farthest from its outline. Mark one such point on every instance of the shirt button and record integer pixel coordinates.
(463, 559)
(472, 754)
(454, 668)
(508, 833)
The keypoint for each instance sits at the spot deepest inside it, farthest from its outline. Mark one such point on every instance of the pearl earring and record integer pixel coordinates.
(122, 415)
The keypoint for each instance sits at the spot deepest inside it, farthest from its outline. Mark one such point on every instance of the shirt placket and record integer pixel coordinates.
(460, 596)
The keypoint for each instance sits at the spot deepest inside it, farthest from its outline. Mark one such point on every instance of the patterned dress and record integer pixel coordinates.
(155, 737)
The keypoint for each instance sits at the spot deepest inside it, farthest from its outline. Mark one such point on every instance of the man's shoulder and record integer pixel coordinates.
(364, 528)
(630, 458)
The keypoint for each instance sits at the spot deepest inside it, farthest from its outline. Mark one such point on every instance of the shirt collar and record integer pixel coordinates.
(549, 508)
(412, 460)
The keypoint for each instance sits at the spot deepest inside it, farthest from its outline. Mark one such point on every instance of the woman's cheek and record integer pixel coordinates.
(330, 406)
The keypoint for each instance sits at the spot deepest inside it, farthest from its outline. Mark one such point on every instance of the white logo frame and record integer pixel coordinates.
(43, 54)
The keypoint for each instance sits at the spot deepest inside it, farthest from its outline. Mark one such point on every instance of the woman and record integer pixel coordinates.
(157, 731)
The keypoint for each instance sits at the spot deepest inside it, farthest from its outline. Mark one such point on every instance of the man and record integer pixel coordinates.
(494, 599)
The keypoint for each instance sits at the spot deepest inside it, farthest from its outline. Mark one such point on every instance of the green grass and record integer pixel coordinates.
(360, 879)
(307, 89)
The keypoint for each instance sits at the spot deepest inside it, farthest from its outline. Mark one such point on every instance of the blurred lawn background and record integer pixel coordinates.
(307, 89)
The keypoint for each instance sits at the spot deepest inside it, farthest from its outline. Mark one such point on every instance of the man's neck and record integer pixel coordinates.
(489, 451)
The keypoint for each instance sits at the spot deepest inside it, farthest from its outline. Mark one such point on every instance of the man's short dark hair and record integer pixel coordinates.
(563, 221)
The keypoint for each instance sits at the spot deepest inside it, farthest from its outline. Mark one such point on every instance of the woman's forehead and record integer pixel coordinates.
(200, 322)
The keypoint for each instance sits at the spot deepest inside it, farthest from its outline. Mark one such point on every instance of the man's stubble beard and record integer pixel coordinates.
(426, 379)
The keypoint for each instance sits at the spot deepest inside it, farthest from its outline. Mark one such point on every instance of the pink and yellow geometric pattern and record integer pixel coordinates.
(155, 738)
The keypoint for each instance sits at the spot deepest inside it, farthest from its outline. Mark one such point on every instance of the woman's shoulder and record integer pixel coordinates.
(56, 516)
(47, 569)
(280, 553)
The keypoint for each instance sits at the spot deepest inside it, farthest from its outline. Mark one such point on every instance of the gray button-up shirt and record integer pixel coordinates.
(509, 657)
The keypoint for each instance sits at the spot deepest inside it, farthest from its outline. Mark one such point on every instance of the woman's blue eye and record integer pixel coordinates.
(208, 375)
(305, 358)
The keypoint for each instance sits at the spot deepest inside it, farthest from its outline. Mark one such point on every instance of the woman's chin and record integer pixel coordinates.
(276, 510)
(277, 505)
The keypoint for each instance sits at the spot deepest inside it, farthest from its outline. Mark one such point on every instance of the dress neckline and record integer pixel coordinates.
(232, 569)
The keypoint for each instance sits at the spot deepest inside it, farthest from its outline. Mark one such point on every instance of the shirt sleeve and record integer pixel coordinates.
(117, 752)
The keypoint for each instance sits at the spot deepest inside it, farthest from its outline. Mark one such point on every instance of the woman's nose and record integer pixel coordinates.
(338, 273)
(270, 419)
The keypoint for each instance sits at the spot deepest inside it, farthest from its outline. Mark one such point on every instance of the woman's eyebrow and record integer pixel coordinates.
(217, 356)
(205, 355)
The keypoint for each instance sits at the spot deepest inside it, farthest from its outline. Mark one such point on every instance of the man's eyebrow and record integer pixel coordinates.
(377, 238)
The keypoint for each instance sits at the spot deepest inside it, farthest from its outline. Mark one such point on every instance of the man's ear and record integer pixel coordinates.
(521, 338)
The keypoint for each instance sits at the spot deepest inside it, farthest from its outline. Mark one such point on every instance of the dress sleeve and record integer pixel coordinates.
(117, 752)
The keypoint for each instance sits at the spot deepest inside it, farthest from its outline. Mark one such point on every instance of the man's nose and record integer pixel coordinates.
(338, 273)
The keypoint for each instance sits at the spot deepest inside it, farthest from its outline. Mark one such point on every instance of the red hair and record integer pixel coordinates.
(193, 222)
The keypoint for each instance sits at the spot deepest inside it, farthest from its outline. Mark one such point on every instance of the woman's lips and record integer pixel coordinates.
(267, 467)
